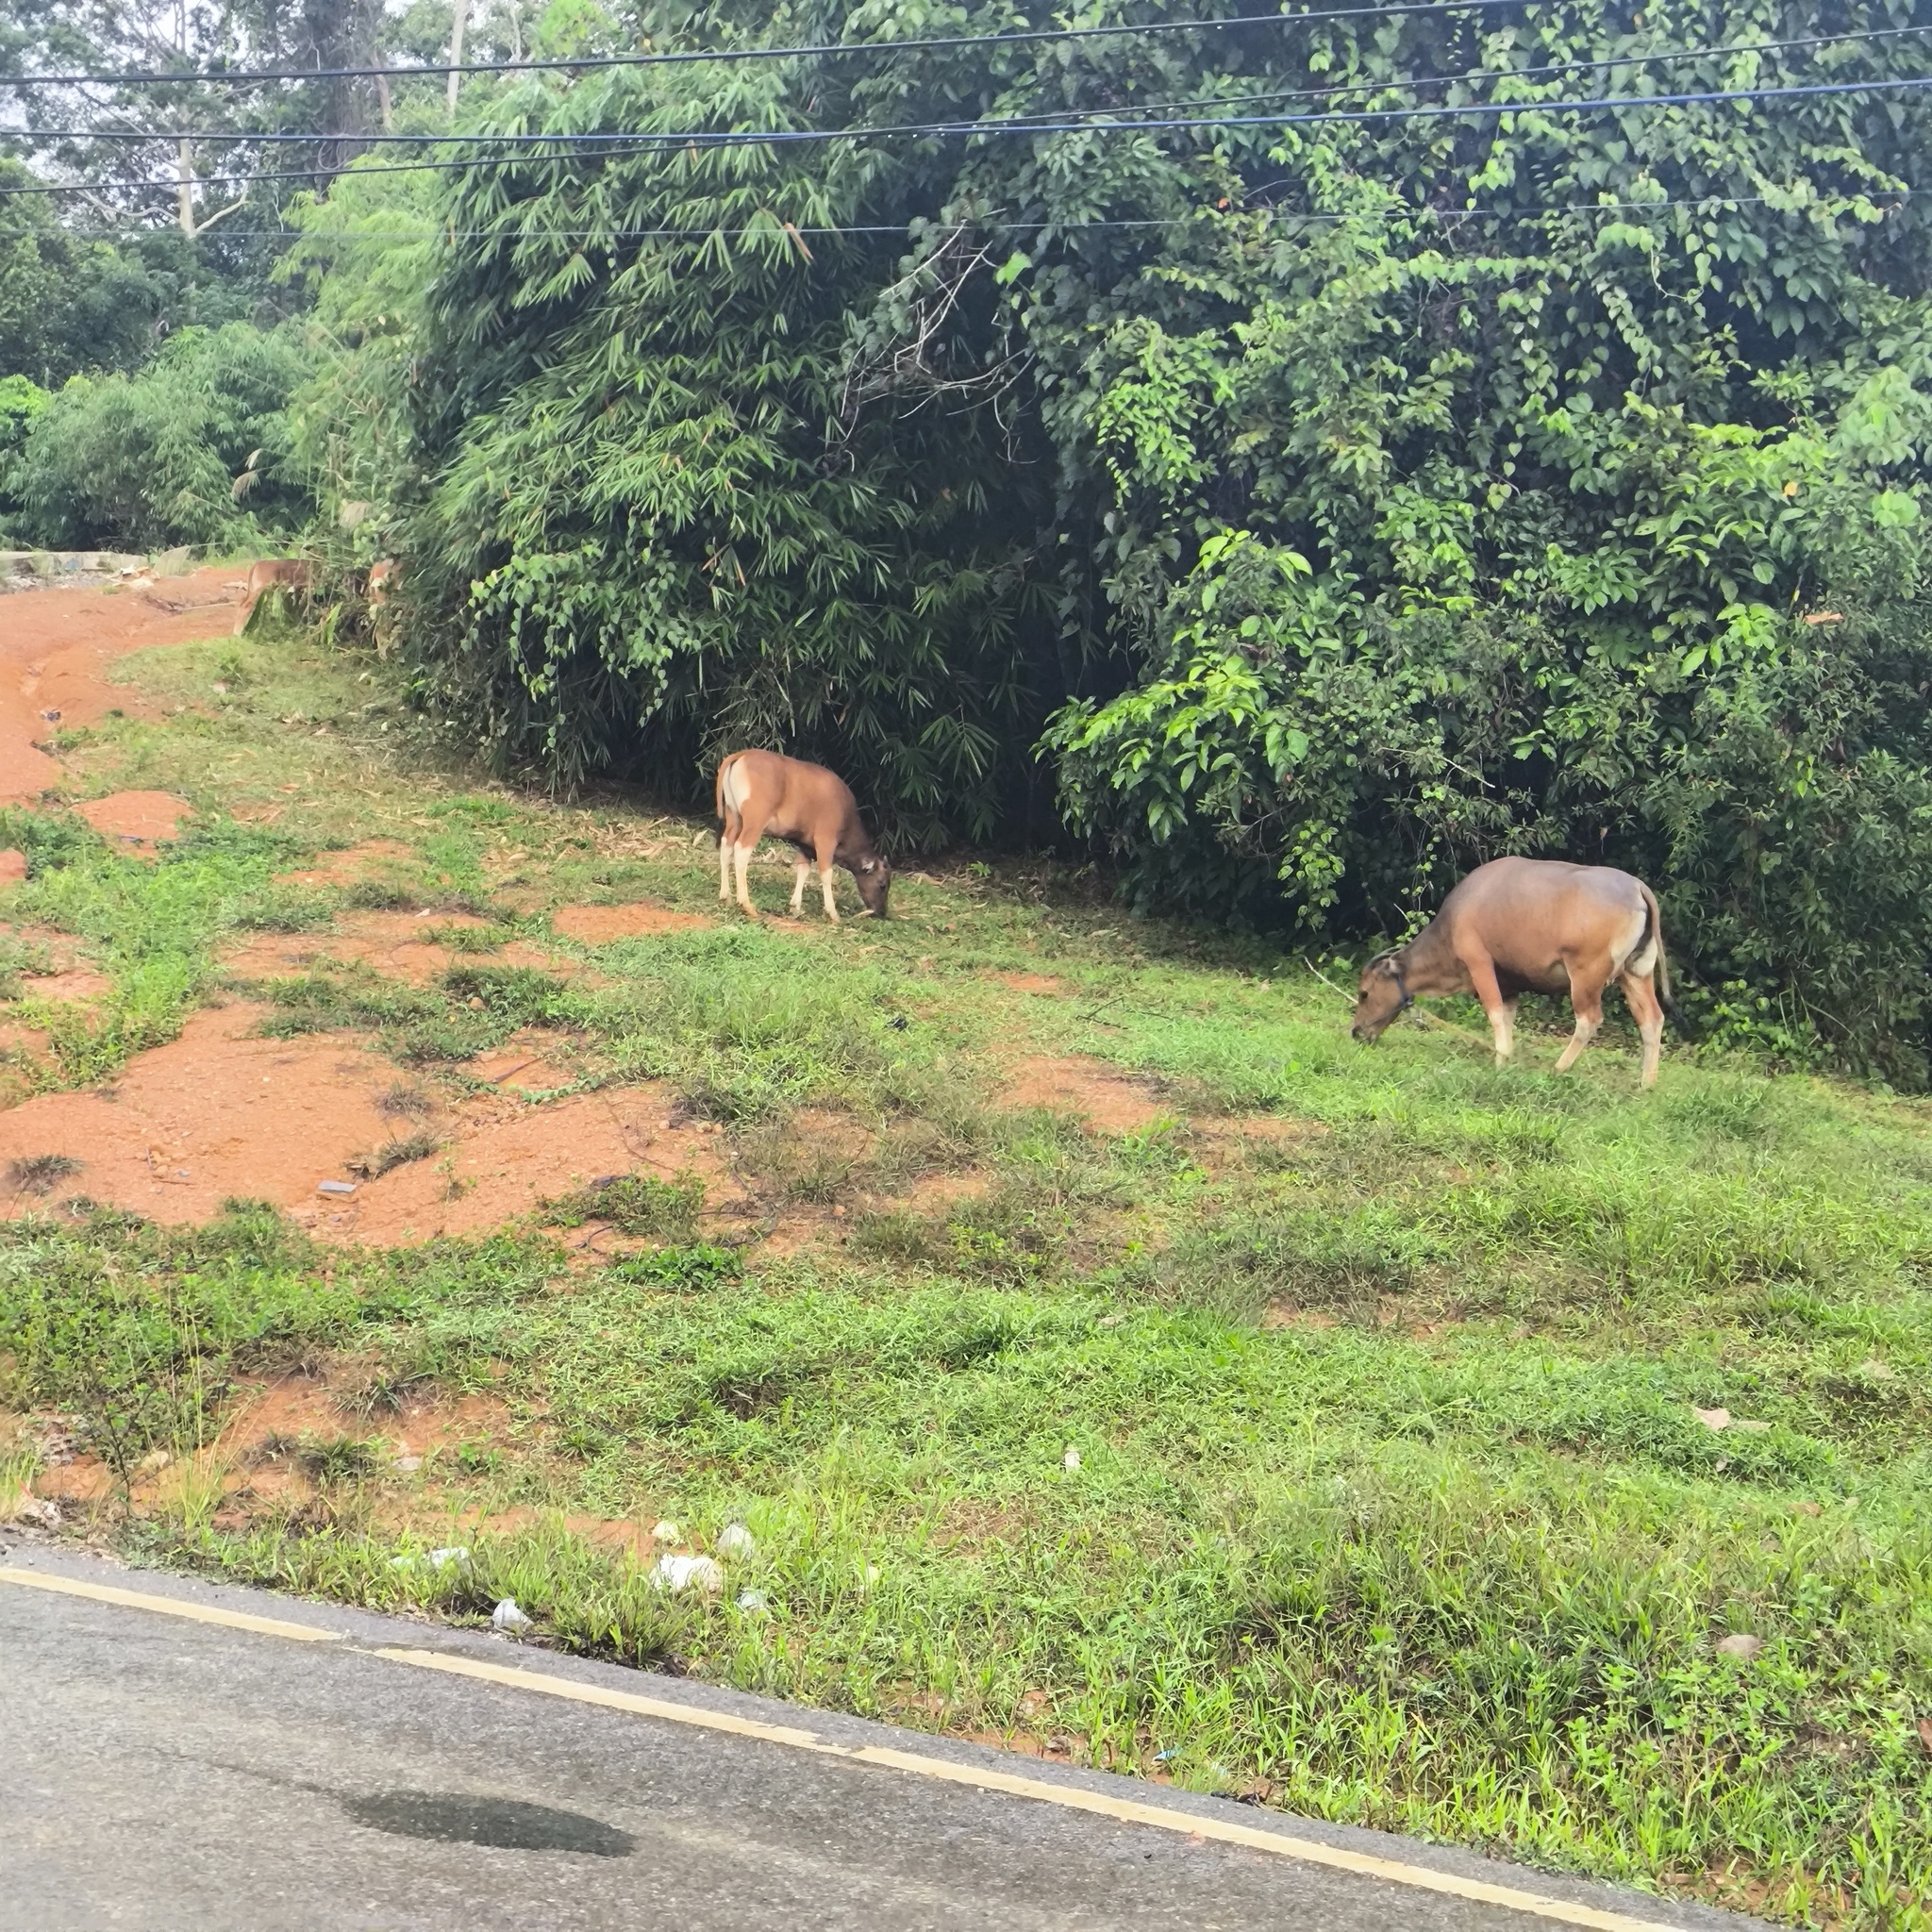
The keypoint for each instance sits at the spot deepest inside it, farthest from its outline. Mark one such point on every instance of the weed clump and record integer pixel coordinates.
(635, 1204)
(40, 1173)
(394, 1154)
(685, 1269)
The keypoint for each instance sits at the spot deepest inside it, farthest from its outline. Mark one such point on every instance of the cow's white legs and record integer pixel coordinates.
(801, 871)
(1502, 1013)
(826, 887)
(1647, 1010)
(1587, 1003)
(1503, 1029)
(724, 844)
(744, 852)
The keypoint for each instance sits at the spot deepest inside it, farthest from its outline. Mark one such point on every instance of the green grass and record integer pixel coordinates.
(1391, 1502)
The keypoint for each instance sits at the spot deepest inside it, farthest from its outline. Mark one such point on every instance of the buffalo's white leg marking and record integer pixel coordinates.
(800, 870)
(1502, 1025)
(744, 852)
(826, 886)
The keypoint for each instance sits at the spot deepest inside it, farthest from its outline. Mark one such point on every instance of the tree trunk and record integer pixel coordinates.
(184, 191)
(458, 15)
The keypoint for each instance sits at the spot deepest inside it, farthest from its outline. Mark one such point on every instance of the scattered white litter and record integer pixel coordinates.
(753, 1600)
(686, 1572)
(666, 1532)
(155, 1460)
(871, 1574)
(442, 1560)
(734, 1540)
(506, 1616)
(335, 1186)
(1070, 1460)
(1741, 1646)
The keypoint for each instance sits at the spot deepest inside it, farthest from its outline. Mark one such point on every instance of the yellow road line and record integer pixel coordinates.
(1068, 1797)
(170, 1606)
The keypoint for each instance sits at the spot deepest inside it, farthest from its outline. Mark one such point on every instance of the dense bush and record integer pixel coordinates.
(1344, 501)
(190, 449)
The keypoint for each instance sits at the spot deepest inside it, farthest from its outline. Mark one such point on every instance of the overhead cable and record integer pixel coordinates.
(973, 130)
(685, 57)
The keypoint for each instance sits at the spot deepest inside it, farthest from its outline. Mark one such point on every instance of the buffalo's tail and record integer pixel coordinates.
(1661, 976)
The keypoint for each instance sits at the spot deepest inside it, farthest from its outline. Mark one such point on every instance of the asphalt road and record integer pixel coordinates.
(161, 1771)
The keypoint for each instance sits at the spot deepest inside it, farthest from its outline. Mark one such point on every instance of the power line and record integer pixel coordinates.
(1397, 213)
(703, 137)
(589, 63)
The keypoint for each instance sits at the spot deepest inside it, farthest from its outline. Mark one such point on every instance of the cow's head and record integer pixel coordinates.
(874, 877)
(1380, 995)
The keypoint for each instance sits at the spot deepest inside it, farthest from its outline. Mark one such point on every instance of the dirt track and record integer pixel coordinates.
(222, 1112)
(57, 646)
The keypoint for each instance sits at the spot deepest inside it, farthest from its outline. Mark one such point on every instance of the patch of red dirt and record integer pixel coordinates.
(529, 1061)
(325, 1405)
(1044, 983)
(504, 1156)
(12, 867)
(375, 860)
(632, 1539)
(74, 983)
(55, 648)
(598, 926)
(396, 945)
(1110, 1100)
(136, 821)
(390, 943)
(212, 1114)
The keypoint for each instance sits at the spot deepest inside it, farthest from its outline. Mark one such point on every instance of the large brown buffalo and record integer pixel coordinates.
(1519, 926)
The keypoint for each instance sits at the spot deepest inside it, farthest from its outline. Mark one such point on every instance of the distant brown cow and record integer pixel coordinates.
(1519, 926)
(759, 791)
(263, 574)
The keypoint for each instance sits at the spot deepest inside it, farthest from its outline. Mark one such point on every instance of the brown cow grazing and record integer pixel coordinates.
(1519, 926)
(759, 791)
(263, 574)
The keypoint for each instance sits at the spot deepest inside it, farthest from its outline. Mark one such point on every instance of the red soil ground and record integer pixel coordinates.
(56, 647)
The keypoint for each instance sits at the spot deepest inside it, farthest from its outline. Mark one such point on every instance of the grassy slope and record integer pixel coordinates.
(1391, 1503)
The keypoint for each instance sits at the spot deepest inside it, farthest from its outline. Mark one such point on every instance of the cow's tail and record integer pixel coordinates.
(1661, 972)
(718, 796)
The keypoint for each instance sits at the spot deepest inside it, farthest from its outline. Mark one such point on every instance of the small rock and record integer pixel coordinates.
(753, 1601)
(408, 1465)
(1713, 1419)
(666, 1532)
(506, 1616)
(37, 1512)
(1070, 1460)
(686, 1572)
(52, 717)
(1744, 1648)
(1808, 1509)
(335, 1186)
(734, 1540)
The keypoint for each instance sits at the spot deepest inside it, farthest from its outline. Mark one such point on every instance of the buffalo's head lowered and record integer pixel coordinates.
(1380, 995)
